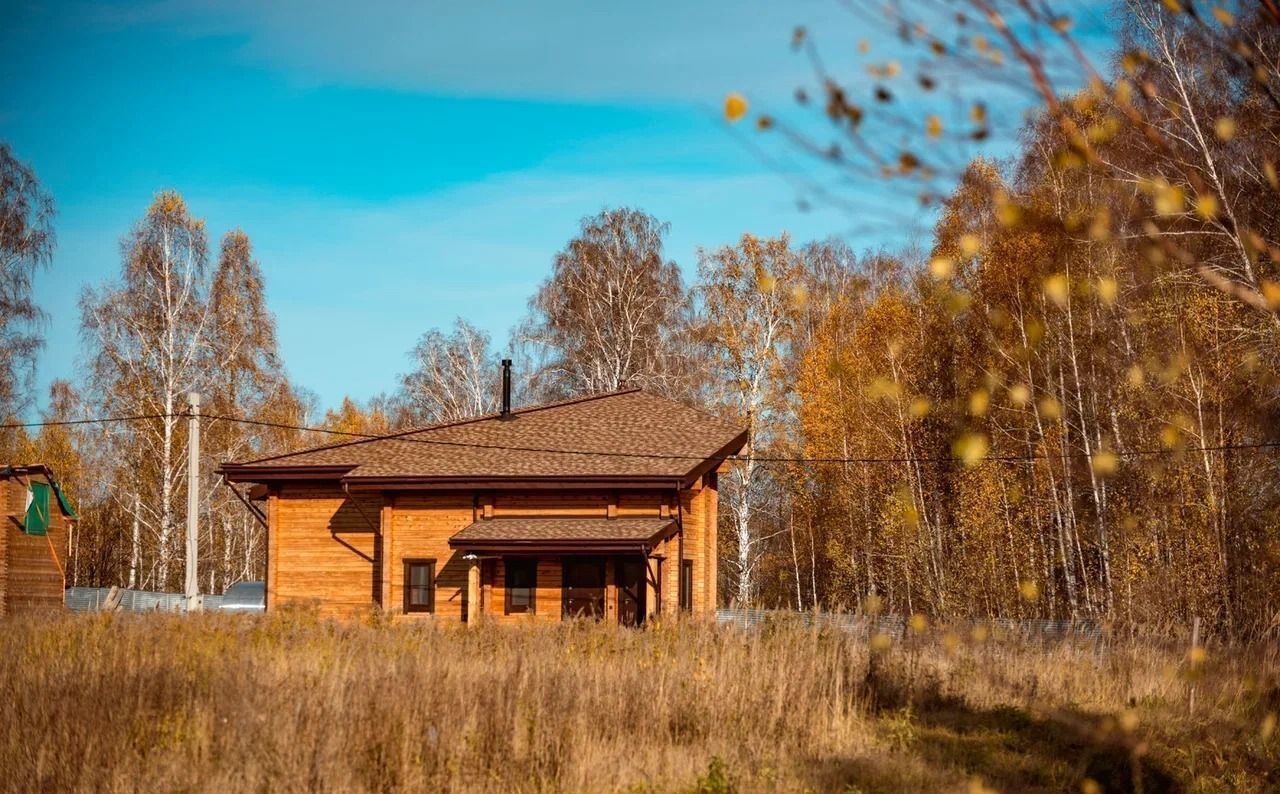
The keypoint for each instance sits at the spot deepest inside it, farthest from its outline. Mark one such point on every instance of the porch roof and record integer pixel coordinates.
(554, 533)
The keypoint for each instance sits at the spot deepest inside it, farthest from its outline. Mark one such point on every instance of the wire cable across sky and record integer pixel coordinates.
(404, 436)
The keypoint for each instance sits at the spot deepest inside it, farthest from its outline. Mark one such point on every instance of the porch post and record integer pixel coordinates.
(473, 592)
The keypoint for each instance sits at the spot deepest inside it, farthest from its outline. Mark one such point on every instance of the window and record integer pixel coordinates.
(521, 582)
(419, 585)
(37, 519)
(686, 585)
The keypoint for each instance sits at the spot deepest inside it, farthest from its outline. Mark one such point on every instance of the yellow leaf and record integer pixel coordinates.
(933, 126)
(978, 402)
(1104, 463)
(1271, 292)
(1136, 376)
(979, 633)
(872, 604)
(1197, 655)
(941, 268)
(971, 448)
(1100, 225)
(1269, 171)
(1224, 16)
(969, 244)
(1225, 128)
(766, 282)
(1268, 726)
(920, 407)
(919, 623)
(735, 106)
(1108, 289)
(1019, 394)
(1170, 436)
(1169, 199)
(1207, 206)
(1057, 288)
(1049, 408)
(1090, 786)
(881, 642)
(1029, 590)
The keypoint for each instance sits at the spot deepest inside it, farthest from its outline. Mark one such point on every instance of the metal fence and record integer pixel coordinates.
(90, 599)
(1045, 630)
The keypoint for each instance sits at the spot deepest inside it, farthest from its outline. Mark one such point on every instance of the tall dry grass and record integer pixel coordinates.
(289, 702)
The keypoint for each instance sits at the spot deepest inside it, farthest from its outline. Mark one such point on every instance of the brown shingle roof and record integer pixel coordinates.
(621, 435)
(542, 532)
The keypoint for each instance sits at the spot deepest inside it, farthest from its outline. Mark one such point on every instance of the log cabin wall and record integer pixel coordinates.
(347, 555)
(30, 578)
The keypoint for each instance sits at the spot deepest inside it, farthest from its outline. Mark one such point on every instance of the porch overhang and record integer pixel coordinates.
(563, 535)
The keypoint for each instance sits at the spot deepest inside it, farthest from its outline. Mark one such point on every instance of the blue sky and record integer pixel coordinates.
(398, 164)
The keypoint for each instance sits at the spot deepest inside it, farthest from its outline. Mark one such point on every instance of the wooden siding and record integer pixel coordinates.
(30, 578)
(322, 549)
(421, 525)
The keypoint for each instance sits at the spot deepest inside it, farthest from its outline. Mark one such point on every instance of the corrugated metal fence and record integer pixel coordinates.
(89, 599)
(893, 625)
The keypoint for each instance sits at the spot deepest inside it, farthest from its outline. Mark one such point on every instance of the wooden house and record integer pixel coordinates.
(36, 517)
(601, 506)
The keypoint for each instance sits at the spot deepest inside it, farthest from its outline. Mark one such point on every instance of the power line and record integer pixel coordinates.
(403, 436)
(98, 421)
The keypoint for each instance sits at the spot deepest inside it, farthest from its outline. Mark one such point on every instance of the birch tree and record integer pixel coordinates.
(749, 295)
(26, 245)
(613, 312)
(147, 342)
(455, 376)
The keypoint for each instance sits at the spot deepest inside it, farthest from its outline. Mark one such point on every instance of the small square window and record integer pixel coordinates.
(419, 585)
(521, 585)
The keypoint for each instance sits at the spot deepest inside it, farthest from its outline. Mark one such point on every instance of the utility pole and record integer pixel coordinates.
(193, 499)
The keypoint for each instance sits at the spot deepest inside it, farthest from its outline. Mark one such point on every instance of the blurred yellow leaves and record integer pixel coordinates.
(1029, 590)
(1050, 409)
(919, 408)
(969, 244)
(979, 401)
(1225, 128)
(1057, 289)
(1107, 289)
(881, 642)
(918, 623)
(1271, 293)
(941, 268)
(1169, 199)
(971, 448)
(1207, 206)
(1019, 394)
(1104, 463)
(933, 126)
(735, 106)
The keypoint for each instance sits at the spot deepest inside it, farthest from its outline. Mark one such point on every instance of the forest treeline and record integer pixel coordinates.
(1063, 404)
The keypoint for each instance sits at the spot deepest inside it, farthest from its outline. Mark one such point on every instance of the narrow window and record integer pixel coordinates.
(419, 585)
(37, 518)
(686, 585)
(521, 581)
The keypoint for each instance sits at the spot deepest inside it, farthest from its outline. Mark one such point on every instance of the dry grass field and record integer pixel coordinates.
(292, 703)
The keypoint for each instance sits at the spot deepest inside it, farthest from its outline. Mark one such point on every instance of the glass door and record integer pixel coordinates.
(583, 587)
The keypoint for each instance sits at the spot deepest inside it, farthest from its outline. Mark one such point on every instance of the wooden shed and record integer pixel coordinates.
(37, 517)
(603, 506)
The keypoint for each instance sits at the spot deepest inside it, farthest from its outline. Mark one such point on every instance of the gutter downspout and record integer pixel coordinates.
(679, 551)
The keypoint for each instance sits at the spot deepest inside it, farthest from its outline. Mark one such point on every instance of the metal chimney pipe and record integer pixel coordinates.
(506, 389)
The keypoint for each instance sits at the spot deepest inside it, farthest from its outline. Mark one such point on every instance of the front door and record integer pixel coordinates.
(583, 587)
(631, 587)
